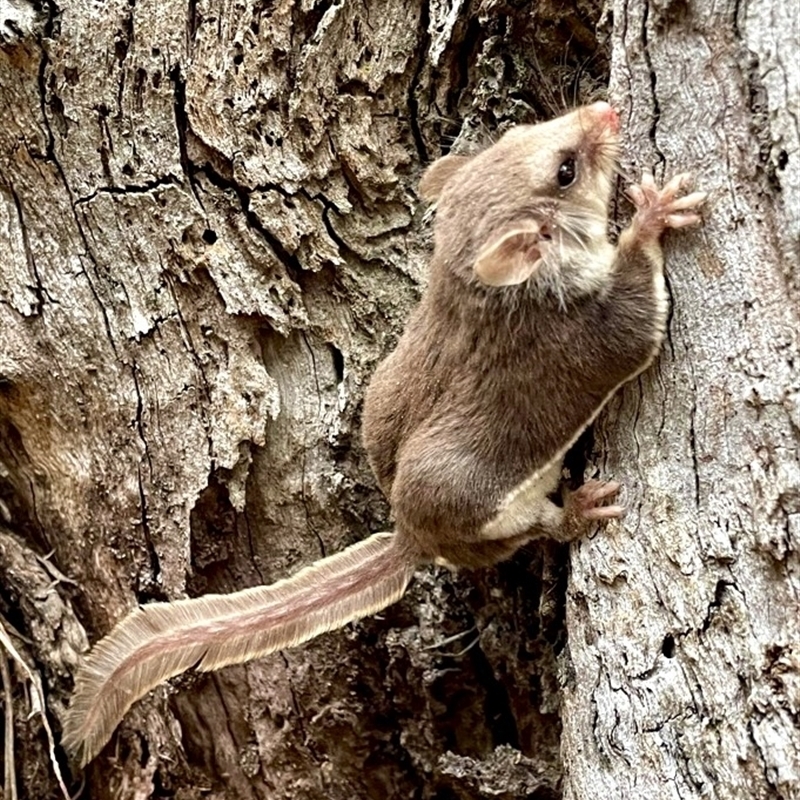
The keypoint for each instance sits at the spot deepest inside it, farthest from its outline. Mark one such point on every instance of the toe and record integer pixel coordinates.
(604, 512)
(636, 194)
(681, 220)
(678, 183)
(689, 201)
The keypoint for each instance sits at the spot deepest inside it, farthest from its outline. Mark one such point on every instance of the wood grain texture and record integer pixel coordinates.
(684, 622)
(210, 234)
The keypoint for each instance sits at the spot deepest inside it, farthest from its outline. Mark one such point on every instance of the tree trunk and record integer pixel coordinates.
(684, 622)
(211, 235)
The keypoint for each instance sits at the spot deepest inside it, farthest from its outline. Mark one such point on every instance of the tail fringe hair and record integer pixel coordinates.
(161, 640)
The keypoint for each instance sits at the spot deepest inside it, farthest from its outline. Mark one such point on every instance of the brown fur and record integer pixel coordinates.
(467, 422)
(488, 384)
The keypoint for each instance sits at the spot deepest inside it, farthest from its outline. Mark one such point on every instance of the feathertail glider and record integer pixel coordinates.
(161, 640)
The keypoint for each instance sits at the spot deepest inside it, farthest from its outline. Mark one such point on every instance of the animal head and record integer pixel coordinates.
(532, 208)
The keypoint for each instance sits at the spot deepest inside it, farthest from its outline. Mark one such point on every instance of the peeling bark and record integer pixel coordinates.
(211, 235)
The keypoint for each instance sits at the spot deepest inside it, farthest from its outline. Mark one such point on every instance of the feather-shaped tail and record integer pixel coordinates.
(160, 640)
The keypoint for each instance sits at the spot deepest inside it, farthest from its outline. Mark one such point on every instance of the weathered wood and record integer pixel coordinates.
(684, 621)
(211, 234)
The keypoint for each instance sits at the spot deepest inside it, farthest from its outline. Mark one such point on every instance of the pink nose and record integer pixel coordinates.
(606, 115)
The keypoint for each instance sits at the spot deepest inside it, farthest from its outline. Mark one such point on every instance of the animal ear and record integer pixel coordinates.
(438, 174)
(511, 257)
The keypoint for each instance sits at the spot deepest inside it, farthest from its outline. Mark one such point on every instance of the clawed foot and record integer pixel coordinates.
(587, 502)
(658, 209)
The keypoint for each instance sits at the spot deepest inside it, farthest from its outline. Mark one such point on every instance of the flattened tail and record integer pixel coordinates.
(161, 640)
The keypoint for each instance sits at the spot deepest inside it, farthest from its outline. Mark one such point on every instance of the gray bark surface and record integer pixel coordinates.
(684, 620)
(211, 235)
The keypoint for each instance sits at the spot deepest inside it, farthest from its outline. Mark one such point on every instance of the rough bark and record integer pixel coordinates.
(684, 622)
(211, 234)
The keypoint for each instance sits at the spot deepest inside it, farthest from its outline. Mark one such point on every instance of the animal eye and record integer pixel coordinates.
(566, 172)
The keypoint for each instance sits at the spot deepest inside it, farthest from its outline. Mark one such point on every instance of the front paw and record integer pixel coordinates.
(659, 209)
